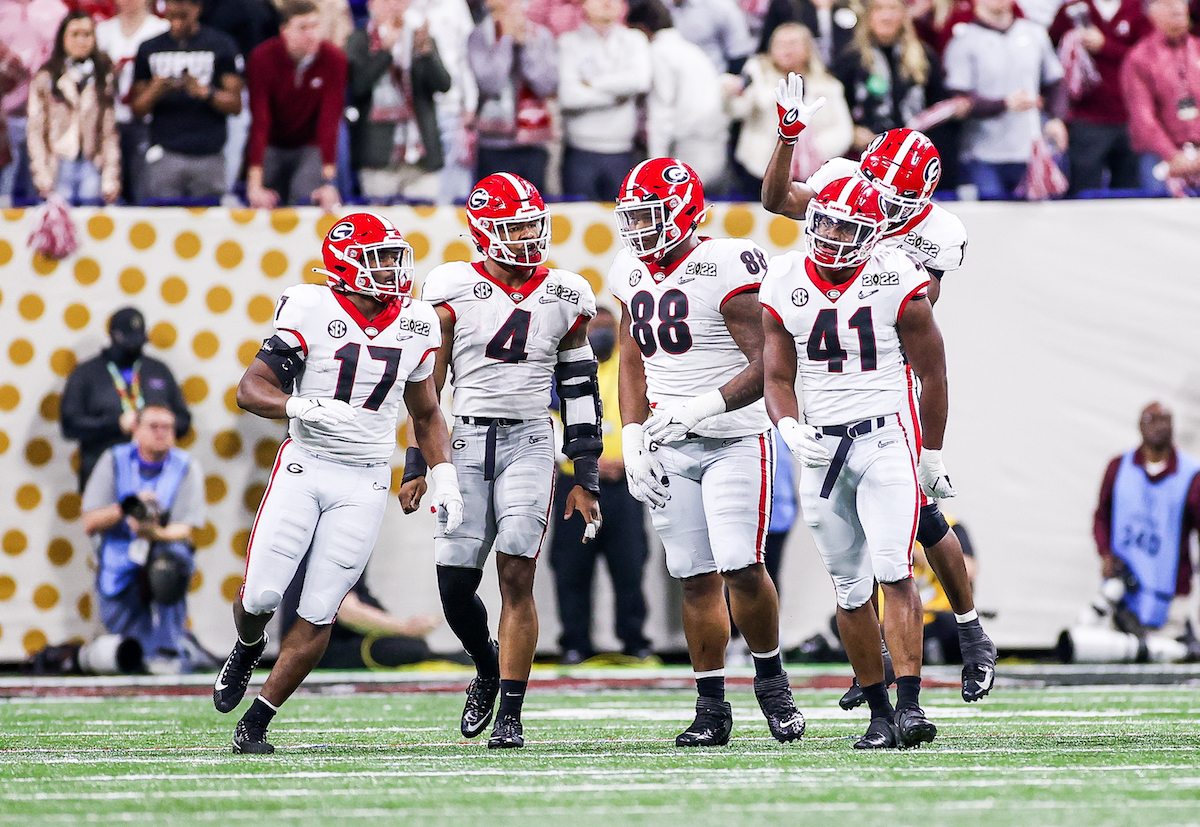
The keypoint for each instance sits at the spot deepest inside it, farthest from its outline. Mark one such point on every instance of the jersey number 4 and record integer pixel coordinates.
(348, 356)
(824, 345)
(508, 345)
(673, 334)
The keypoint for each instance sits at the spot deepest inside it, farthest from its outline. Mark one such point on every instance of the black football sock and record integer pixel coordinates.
(768, 664)
(467, 616)
(512, 697)
(260, 713)
(711, 684)
(908, 690)
(877, 696)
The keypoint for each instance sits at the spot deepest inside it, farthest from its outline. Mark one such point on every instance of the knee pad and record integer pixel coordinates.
(519, 535)
(932, 526)
(261, 603)
(853, 594)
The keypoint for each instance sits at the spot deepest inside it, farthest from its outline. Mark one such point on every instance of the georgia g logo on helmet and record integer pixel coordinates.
(341, 232)
(479, 199)
(675, 174)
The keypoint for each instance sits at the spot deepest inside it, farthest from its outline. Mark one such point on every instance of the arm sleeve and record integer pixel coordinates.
(1145, 132)
(491, 63)
(632, 76)
(41, 165)
(1102, 521)
(101, 487)
(188, 507)
(77, 423)
(573, 93)
(365, 67)
(743, 270)
(539, 63)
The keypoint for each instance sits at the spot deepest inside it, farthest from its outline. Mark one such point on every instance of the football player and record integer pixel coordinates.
(342, 358)
(848, 313)
(510, 327)
(904, 166)
(696, 439)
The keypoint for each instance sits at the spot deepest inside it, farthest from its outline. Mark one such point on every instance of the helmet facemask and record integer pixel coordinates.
(648, 228)
(383, 270)
(509, 242)
(838, 241)
(899, 207)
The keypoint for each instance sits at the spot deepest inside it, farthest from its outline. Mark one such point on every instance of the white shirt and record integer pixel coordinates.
(598, 77)
(677, 323)
(122, 50)
(506, 340)
(685, 99)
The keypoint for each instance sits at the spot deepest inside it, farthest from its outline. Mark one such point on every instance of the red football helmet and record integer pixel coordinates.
(843, 222)
(660, 203)
(365, 253)
(905, 167)
(508, 220)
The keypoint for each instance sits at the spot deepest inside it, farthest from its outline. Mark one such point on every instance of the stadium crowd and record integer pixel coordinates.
(271, 102)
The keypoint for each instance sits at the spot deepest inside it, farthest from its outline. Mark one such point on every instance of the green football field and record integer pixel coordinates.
(1070, 756)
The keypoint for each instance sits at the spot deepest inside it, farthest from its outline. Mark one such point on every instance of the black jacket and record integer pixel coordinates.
(91, 407)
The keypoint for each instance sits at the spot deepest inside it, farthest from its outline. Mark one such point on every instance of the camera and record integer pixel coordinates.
(142, 510)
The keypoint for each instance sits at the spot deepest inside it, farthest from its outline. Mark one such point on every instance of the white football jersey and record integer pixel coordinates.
(847, 345)
(365, 363)
(676, 321)
(934, 236)
(506, 340)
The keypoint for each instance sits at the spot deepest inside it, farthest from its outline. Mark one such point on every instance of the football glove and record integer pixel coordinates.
(447, 496)
(672, 423)
(319, 411)
(804, 442)
(794, 113)
(643, 472)
(931, 472)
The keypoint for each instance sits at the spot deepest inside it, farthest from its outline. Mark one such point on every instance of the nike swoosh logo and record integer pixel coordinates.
(988, 676)
(862, 294)
(534, 439)
(219, 687)
(512, 694)
(544, 300)
(792, 721)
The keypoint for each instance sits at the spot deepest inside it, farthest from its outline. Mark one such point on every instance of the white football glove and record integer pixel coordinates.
(672, 423)
(931, 472)
(643, 472)
(794, 113)
(447, 496)
(804, 442)
(319, 411)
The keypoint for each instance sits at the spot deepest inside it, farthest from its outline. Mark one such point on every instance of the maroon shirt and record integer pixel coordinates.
(1102, 524)
(1104, 103)
(1155, 76)
(289, 111)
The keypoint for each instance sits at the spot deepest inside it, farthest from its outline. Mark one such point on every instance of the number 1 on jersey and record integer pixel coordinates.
(825, 346)
(348, 356)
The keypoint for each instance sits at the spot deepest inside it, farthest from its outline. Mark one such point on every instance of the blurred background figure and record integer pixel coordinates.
(103, 395)
(297, 84)
(718, 27)
(74, 149)
(140, 507)
(685, 115)
(515, 63)
(829, 135)
(832, 23)
(621, 539)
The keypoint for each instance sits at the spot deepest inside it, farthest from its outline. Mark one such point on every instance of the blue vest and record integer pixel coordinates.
(1147, 522)
(117, 571)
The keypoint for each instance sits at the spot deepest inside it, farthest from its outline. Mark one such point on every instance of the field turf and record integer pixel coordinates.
(1071, 756)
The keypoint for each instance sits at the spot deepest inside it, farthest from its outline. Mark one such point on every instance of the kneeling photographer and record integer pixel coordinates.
(141, 504)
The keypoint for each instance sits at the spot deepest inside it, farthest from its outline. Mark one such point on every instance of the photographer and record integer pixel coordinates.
(141, 504)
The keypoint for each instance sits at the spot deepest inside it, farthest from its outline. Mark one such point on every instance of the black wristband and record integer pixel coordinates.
(587, 473)
(414, 464)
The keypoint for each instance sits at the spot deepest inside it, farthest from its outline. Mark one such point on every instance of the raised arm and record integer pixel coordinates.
(779, 193)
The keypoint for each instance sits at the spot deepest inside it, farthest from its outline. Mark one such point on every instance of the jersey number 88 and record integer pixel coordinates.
(672, 332)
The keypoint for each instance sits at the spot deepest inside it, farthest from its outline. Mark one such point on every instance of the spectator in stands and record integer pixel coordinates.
(832, 23)
(685, 116)
(29, 27)
(1097, 121)
(96, 9)
(395, 70)
(141, 506)
(602, 67)
(119, 38)
(297, 84)
(888, 74)
(559, 16)
(102, 396)
(1160, 80)
(515, 62)
(718, 27)
(74, 149)
(791, 49)
(187, 80)
(1008, 68)
(12, 75)
(622, 537)
(336, 24)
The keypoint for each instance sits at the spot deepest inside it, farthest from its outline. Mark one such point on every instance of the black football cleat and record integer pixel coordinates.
(854, 696)
(779, 707)
(250, 739)
(714, 722)
(881, 734)
(914, 728)
(234, 677)
(507, 734)
(979, 663)
(480, 706)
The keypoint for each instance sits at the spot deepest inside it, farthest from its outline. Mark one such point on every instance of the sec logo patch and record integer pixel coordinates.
(483, 290)
(800, 297)
(634, 278)
(337, 328)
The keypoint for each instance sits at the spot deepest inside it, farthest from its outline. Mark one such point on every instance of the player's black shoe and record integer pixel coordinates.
(914, 728)
(251, 739)
(714, 722)
(881, 734)
(979, 662)
(854, 696)
(234, 677)
(507, 734)
(777, 704)
(481, 702)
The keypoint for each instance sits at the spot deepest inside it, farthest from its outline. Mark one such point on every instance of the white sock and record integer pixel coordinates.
(712, 673)
(268, 703)
(763, 655)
